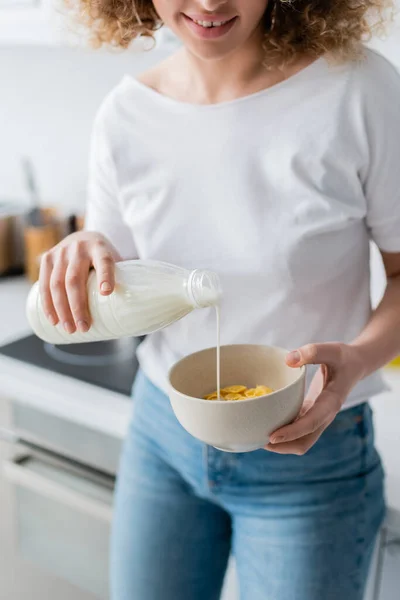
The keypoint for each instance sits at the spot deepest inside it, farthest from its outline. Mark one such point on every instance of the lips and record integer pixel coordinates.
(209, 26)
(213, 18)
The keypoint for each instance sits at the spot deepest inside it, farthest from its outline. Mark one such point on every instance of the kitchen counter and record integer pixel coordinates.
(68, 398)
(109, 412)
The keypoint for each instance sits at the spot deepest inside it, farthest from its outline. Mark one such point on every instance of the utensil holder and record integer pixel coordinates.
(38, 240)
(80, 222)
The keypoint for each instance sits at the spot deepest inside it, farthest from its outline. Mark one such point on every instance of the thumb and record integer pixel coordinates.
(316, 354)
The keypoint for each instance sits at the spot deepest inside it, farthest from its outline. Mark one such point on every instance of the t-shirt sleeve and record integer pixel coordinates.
(381, 179)
(103, 210)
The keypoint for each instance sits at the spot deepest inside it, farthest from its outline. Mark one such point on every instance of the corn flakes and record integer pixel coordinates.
(239, 392)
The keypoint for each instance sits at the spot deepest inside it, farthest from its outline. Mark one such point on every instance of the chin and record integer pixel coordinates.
(209, 50)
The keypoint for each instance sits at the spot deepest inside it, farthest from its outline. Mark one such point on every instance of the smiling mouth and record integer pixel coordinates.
(210, 24)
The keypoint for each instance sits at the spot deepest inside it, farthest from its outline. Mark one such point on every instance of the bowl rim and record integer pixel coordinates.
(302, 374)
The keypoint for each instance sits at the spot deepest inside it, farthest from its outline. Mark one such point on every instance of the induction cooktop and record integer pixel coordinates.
(111, 364)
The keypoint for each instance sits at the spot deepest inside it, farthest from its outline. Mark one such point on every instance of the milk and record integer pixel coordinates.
(218, 318)
(148, 296)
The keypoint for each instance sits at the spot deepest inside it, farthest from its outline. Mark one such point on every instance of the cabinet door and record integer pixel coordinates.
(63, 515)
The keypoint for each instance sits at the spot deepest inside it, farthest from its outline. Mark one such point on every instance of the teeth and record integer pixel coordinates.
(208, 24)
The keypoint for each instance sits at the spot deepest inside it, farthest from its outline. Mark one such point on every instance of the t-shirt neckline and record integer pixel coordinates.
(161, 98)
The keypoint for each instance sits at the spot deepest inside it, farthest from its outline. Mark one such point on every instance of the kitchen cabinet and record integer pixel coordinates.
(63, 520)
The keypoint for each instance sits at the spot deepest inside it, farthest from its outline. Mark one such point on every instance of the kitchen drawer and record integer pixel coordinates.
(71, 439)
(63, 521)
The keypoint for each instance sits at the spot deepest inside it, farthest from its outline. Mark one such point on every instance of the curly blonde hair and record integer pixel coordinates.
(292, 27)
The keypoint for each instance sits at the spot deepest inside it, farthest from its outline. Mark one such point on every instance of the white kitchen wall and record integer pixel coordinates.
(390, 45)
(47, 101)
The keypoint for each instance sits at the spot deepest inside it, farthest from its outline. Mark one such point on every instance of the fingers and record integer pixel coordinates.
(46, 268)
(320, 415)
(330, 386)
(298, 447)
(76, 288)
(64, 274)
(316, 354)
(104, 262)
(59, 293)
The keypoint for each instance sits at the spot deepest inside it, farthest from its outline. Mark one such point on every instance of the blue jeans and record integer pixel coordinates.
(300, 527)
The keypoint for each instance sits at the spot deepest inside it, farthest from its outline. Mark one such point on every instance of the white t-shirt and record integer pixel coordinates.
(279, 192)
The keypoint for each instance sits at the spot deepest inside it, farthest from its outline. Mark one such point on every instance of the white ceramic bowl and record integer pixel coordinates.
(241, 425)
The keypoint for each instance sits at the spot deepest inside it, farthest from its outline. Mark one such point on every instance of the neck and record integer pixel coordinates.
(239, 73)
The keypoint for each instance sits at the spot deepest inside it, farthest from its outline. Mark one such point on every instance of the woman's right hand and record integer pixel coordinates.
(64, 272)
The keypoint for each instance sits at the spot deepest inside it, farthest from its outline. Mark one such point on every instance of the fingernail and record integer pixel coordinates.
(277, 440)
(68, 327)
(83, 326)
(294, 356)
(52, 319)
(105, 287)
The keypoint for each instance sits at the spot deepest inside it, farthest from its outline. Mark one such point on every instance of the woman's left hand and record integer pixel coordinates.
(341, 368)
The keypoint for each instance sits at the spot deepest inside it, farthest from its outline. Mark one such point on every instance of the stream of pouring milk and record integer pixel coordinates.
(217, 312)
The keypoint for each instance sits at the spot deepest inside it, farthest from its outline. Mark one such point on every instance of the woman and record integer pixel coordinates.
(265, 149)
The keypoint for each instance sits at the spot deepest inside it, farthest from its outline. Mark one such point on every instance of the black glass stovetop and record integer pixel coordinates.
(111, 364)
